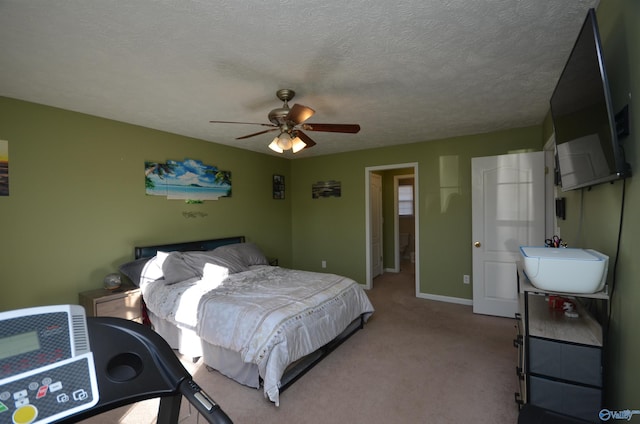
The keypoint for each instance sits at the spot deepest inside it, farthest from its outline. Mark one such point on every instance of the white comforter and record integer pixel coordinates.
(272, 316)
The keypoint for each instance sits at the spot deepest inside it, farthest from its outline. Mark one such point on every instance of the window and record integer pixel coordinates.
(405, 200)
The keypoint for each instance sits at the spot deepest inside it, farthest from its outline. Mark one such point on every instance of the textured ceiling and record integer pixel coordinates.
(407, 71)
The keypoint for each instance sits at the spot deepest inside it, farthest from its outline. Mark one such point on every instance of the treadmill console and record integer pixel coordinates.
(47, 369)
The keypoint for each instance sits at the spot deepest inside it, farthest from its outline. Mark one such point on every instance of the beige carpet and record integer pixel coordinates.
(416, 361)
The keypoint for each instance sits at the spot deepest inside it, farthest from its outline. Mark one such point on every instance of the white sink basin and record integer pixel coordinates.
(565, 269)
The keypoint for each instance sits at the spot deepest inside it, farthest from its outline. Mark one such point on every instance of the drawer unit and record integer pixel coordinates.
(121, 303)
(560, 364)
(577, 363)
(574, 400)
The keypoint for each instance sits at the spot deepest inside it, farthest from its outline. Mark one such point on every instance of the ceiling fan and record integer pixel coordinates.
(290, 123)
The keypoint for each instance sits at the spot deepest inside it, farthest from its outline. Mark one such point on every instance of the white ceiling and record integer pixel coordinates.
(407, 71)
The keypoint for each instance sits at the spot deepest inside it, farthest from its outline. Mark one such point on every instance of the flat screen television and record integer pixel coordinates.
(587, 145)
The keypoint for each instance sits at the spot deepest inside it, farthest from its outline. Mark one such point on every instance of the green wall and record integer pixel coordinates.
(77, 203)
(593, 216)
(333, 229)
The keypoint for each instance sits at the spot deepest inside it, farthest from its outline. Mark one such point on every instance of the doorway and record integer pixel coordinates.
(372, 210)
(404, 228)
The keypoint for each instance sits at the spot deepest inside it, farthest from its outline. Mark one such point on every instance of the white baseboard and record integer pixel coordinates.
(449, 299)
(437, 297)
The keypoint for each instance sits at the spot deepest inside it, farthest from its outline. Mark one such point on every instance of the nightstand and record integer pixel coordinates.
(124, 302)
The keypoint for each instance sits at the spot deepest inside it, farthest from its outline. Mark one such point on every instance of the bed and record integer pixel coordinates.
(260, 324)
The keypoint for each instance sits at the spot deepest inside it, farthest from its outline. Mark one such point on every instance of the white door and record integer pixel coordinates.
(376, 224)
(507, 195)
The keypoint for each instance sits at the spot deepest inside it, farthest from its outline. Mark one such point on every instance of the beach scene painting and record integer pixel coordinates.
(326, 189)
(4, 168)
(188, 180)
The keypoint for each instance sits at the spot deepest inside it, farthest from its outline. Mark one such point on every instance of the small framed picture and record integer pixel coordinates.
(326, 189)
(278, 187)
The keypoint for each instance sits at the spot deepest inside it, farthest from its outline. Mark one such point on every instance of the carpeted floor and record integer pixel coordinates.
(416, 361)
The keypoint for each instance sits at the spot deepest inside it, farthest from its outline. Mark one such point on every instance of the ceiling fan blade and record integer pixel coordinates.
(298, 114)
(341, 128)
(305, 138)
(258, 133)
(247, 123)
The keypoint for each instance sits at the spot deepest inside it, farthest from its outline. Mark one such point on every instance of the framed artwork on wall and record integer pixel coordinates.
(278, 187)
(4, 168)
(189, 180)
(330, 188)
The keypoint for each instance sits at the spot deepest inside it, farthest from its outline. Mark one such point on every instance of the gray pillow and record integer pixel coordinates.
(133, 270)
(246, 253)
(144, 270)
(181, 266)
(175, 268)
(231, 262)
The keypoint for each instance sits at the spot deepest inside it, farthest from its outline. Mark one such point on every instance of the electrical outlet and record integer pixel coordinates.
(466, 279)
(324, 264)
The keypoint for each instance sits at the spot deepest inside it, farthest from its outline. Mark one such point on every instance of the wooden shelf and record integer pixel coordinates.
(550, 323)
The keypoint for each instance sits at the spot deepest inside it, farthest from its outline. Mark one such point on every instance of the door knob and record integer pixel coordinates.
(477, 244)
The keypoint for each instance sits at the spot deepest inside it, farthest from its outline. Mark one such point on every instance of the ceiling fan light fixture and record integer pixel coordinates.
(297, 145)
(284, 141)
(275, 147)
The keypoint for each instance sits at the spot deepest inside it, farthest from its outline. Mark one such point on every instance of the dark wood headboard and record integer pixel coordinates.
(149, 251)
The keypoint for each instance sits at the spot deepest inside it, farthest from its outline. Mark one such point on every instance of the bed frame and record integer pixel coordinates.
(298, 368)
(149, 251)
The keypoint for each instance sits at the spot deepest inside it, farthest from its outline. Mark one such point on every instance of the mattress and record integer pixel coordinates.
(261, 319)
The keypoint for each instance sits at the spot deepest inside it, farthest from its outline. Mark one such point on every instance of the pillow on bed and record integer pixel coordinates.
(175, 268)
(144, 269)
(152, 270)
(181, 266)
(214, 257)
(245, 253)
(133, 270)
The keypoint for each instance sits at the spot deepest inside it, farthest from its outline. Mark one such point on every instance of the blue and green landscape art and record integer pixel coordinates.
(189, 180)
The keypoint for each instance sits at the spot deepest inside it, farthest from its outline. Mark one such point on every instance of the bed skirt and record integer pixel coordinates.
(225, 361)
(229, 363)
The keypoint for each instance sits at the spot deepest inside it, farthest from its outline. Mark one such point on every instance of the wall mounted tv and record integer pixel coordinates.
(587, 144)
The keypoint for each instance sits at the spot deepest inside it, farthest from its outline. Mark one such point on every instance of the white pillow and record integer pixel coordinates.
(152, 271)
